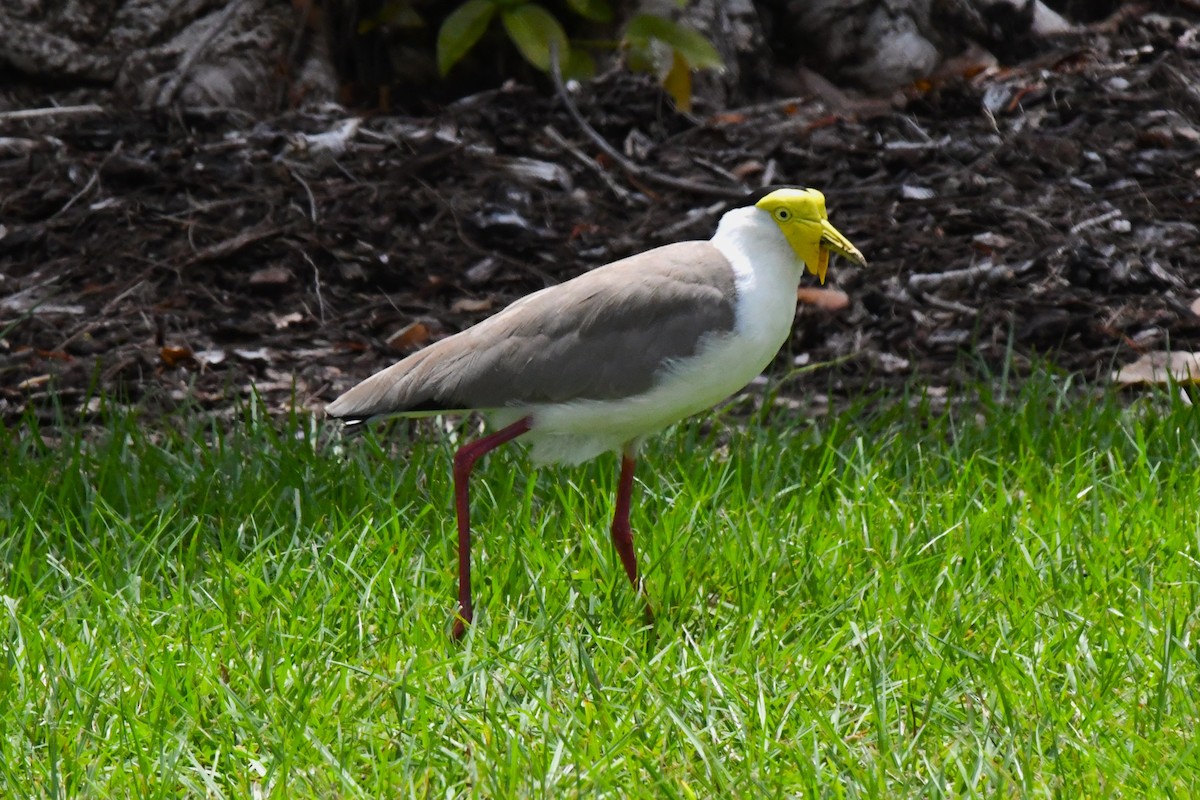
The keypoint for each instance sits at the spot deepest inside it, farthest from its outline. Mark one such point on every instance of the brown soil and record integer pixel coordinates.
(1049, 211)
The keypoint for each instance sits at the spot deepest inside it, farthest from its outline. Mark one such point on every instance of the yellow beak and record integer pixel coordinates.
(816, 254)
(832, 239)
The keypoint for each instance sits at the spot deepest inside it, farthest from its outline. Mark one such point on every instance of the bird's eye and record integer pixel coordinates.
(782, 215)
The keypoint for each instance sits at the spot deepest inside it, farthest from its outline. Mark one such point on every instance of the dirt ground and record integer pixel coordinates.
(1048, 211)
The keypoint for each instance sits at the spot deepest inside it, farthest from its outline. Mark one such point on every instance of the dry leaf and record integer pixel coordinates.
(747, 168)
(911, 192)
(353, 271)
(468, 305)
(209, 358)
(582, 229)
(1159, 368)
(270, 276)
(174, 356)
(889, 363)
(827, 299)
(826, 121)
(483, 271)
(988, 241)
(260, 354)
(678, 83)
(286, 320)
(414, 334)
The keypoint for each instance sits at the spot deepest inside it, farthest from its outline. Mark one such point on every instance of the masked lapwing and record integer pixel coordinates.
(600, 362)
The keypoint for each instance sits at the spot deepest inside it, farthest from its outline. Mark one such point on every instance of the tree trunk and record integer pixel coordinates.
(880, 45)
(198, 53)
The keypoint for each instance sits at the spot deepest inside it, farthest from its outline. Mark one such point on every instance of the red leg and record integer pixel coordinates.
(464, 462)
(622, 532)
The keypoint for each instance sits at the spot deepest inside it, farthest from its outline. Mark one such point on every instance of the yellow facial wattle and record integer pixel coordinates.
(800, 215)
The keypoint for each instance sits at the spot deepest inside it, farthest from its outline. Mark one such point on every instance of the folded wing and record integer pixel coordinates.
(606, 334)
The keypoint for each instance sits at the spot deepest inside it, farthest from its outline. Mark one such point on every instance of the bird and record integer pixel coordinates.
(600, 362)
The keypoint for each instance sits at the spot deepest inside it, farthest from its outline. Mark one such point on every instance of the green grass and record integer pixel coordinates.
(996, 601)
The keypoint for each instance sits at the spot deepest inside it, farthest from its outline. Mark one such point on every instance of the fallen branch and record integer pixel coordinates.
(986, 272)
(52, 111)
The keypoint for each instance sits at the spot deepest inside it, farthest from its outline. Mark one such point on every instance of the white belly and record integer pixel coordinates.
(575, 432)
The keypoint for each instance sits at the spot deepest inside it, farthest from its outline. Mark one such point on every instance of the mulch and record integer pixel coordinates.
(1047, 212)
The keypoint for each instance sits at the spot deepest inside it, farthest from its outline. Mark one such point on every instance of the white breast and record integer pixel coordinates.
(766, 306)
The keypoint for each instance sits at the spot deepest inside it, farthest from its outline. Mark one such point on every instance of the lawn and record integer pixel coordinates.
(888, 601)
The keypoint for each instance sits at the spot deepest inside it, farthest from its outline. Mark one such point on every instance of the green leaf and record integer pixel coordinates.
(400, 14)
(532, 29)
(595, 10)
(695, 49)
(639, 58)
(461, 30)
(397, 14)
(580, 66)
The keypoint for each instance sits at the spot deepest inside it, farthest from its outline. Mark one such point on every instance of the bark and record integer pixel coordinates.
(196, 53)
(880, 45)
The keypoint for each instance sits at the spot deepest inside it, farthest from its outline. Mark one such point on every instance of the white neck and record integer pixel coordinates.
(766, 273)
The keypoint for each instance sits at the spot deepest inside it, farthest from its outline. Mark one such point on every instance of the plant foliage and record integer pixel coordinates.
(653, 43)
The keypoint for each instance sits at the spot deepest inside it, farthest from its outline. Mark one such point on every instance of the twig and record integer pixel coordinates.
(716, 169)
(91, 181)
(625, 164)
(913, 126)
(949, 305)
(770, 106)
(1125, 12)
(316, 285)
(170, 89)
(1107, 216)
(1027, 215)
(14, 146)
(86, 188)
(97, 320)
(623, 194)
(312, 201)
(471, 243)
(228, 247)
(985, 272)
(691, 218)
(53, 111)
(768, 176)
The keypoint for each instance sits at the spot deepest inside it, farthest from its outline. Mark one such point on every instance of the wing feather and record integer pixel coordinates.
(603, 335)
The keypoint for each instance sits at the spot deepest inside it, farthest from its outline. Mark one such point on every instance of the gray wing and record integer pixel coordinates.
(603, 335)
